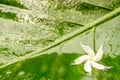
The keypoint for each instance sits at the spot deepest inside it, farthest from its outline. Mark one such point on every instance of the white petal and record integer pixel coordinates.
(80, 59)
(99, 54)
(88, 50)
(99, 66)
(87, 67)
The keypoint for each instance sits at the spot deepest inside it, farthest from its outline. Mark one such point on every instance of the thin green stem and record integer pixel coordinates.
(94, 42)
(37, 53)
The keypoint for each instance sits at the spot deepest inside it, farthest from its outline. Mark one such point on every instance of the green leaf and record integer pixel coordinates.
(108, 4)
(39, 39)
(56, 67)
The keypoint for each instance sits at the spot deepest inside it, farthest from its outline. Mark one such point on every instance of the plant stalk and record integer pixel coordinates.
(94, 42)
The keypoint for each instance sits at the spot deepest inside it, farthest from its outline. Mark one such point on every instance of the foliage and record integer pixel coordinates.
(27, 26)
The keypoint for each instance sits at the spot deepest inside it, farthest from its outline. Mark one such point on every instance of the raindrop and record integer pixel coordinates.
(21, 73)
(8, 72)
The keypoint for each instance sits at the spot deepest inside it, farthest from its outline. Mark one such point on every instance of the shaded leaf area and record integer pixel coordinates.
(108, 34)
(69, 11)
(57, 67)
(8, 15)
(108, 4)
(18, 39)
(16, 36)
(12, 3)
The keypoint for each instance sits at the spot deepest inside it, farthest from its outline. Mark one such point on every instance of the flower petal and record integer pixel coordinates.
(87, 67)
(88, 50)
(99, 54)
(99, 66)
(80, 59)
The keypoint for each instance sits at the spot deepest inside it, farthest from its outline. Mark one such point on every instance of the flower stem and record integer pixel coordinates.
(94, 41)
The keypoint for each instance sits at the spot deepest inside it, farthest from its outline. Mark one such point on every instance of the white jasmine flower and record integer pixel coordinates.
(91, 59)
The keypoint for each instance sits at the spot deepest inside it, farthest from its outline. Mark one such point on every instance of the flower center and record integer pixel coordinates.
(91, 59)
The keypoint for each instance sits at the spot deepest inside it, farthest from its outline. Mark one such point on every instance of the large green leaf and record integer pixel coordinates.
(31, 28)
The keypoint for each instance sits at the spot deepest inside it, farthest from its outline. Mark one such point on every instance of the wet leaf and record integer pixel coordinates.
(27, 26)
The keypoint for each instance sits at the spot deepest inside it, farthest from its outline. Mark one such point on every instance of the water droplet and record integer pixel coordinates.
(8, 72)
(21, 73)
